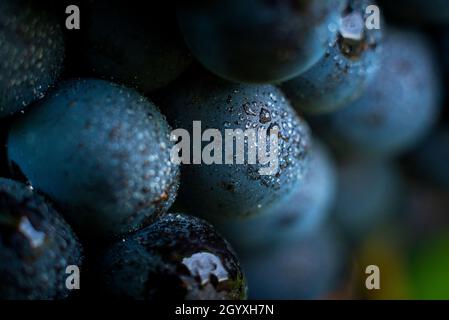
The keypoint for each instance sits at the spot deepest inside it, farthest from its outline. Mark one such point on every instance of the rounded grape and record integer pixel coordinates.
(178, 257)
(31, 54)
(345, 71)
(36, 246)
(226, 188)
(129, 44)
(399, 107)
(101, 151)
(258, 41)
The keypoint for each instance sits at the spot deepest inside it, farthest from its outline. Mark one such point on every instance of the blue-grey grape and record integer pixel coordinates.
(399, 107)
(127, 43)
(100, 150)
(31, 54)
(178, 257)
(36, 246)
(218, 191)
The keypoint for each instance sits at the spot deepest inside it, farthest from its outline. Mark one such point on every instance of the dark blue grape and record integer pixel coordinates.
(219, 191)
(298, 215)
(431, 159)
(4, 127)
(100, 150)
(369, 194)
(258, 40)
(346, 69)
(127, 43)
(398, 108)
(31, 54)
(307, 268)
(36, 246)
(178, 257)
(427, 268)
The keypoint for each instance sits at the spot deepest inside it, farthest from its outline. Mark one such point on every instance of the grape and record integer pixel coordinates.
(258, 41)
(101, 151)
(178, 257)
(345, 71)
(36, 246)
(31, 54)
(399, 107)
(299, 215)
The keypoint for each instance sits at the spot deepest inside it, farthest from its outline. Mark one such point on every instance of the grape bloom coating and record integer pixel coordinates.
(36, 246)
(31, 54)
(238, 189)
(177, 257)
(100, 150)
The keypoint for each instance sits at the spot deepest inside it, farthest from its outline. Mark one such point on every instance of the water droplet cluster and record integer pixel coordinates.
(100, 155)
(233, 189)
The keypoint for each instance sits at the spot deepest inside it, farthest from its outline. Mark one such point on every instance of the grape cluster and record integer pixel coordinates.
(87, 122)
